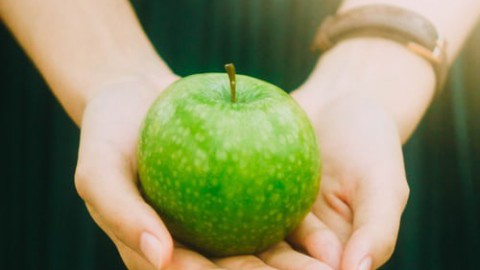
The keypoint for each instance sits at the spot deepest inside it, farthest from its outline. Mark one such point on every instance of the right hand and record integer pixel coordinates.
(106, 179)
(363, 190)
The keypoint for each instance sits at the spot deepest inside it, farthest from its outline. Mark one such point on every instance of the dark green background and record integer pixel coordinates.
(43, 224)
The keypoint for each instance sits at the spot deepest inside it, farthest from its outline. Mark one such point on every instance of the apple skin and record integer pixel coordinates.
(228, 178)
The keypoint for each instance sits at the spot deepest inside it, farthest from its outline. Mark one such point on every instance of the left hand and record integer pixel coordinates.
(355, 220)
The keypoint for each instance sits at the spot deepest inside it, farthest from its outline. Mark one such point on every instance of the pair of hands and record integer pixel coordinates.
(353, 224)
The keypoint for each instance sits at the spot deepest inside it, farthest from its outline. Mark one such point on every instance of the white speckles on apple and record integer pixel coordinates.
(282, 140)
(228, 145)
(261, 200)
(214, 182)
(183, 161)
(201, 113)
(197, 163)
(201, 154)
(291, 139)
(183, 131)
(166, 112)
(275, 198)
(306, 148)
(199, 137)
(258, 145)
(176, 140)
(220, 154)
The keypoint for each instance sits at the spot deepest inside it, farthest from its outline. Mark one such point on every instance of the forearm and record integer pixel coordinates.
(80, 45)
(386, 72)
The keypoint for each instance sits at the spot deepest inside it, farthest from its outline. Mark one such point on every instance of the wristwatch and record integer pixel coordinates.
(404, 26)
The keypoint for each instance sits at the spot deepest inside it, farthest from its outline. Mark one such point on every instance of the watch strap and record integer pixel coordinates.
(406, 27)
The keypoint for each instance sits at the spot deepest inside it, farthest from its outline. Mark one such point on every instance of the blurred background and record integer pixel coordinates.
(44, 224)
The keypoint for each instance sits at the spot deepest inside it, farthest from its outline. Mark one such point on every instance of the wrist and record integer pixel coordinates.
(381, 70)
(147, 79)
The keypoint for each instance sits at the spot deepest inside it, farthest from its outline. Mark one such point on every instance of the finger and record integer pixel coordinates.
(333, 210)
(283, 257)
(131, 259)
(376, 225)
(182, 257)
(107, 185)
(244, 262)
(185, 259)
(318, 240)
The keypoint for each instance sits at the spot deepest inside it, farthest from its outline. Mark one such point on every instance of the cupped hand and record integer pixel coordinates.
(106, 179)
(355, 220)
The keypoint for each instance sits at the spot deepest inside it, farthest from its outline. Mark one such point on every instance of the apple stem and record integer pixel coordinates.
(230, 68)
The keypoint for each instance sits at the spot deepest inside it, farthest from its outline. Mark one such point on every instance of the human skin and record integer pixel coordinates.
(106, 75)
(379, 94)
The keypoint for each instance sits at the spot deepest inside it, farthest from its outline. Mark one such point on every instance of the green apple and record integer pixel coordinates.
(232, 166)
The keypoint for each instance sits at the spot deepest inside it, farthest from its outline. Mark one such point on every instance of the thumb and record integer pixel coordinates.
(377, 212)
(107, 185)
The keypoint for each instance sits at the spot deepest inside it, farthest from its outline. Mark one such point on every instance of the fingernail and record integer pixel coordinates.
(152, 249)
(366, 264)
